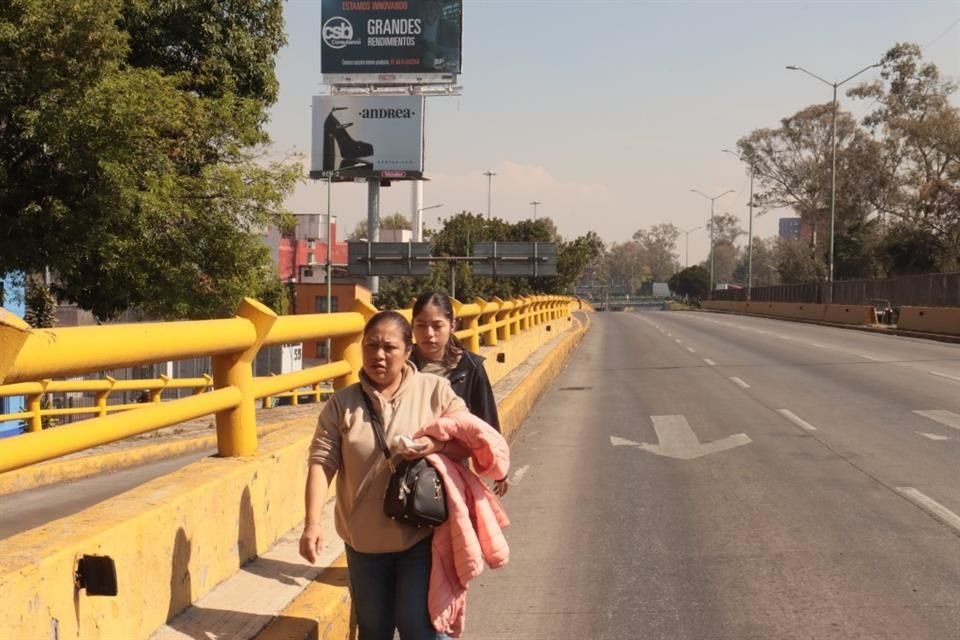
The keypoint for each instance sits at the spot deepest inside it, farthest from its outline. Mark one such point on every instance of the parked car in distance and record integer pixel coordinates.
(885, 311)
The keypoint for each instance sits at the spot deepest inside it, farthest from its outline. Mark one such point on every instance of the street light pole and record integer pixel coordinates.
(489, 175)
(418, 228)
(535, 203)
(833, 161)
(712, 232)
(750, 228)
(687, 233)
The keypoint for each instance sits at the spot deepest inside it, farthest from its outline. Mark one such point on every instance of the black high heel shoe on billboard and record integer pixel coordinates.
(336, 141)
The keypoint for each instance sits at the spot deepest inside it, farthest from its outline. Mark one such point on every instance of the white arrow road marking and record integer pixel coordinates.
(948, 418)
(795, 419)
(931, 506)
(518, 474)
(933, 436)
(677, 440)
(740, 382)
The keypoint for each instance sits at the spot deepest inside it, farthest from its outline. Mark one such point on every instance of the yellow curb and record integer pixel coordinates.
(42, 475)
(322, 611)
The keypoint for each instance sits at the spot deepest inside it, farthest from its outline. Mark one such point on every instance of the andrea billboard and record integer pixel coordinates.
(391, 37)
(367, 136)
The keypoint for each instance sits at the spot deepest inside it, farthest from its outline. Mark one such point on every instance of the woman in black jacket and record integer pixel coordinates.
(438, 351)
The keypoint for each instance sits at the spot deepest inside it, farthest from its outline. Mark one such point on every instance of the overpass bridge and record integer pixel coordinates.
(682, 475)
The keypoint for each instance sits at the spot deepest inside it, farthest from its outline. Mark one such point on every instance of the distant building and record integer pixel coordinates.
(795, 229)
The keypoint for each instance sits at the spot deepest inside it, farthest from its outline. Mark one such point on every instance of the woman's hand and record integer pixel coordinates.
(422, 447)
(311, 541)
(500, 487)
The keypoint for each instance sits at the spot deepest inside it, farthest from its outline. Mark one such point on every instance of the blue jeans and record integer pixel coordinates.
(389, 592)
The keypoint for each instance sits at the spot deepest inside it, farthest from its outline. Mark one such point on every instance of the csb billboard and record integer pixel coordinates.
(391, 37)
(367, 137)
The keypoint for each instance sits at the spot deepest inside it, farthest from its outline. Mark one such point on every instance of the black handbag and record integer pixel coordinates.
(415, 493)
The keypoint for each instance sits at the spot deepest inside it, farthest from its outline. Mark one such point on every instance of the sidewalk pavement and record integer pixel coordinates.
(277, 595)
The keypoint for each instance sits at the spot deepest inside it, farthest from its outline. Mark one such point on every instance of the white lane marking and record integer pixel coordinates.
(678, 340)
(819, 346)
(740, 382)
(931, 506)
(944, 375)
(710, 362)
(863, 355)
(795, 419)
(932, 436)
(669, 335)
(518, 474)
(690, 350)
(948, 418)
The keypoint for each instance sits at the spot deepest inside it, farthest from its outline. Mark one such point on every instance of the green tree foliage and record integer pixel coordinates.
(692, 282)
(128, 157)
(764, 264)
(920, 131)
(725, 227)
(796, 263)
(41, 307)
(456, 238)
(659, 246)
(394, 221)
(908, 250)
(793, 167)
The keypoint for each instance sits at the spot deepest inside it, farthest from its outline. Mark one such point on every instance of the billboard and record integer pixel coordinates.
(367, 137)
(390, 37)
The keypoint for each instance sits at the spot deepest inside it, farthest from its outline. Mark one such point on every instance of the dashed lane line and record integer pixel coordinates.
(795, 419)
(931, 506)
(947, 418)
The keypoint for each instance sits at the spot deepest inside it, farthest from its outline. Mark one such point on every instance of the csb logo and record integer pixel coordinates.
(337, 32)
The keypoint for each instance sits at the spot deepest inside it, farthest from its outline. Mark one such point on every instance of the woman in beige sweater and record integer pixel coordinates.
(389, 562)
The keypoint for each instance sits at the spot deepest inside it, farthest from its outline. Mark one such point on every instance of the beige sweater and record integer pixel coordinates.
(344, 443)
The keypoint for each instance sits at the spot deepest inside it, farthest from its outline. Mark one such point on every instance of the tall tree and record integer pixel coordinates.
(920, 129)
(128, 150)
(659, 245)
(793, 167)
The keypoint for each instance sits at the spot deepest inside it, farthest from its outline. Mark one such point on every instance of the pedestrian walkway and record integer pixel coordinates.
(277, 595)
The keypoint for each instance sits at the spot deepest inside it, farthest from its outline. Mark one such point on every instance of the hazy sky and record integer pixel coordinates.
(609, 112)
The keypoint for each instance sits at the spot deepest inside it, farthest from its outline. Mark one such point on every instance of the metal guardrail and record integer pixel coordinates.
(33, 363)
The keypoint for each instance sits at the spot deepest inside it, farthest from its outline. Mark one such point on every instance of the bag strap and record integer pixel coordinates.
(377, 421)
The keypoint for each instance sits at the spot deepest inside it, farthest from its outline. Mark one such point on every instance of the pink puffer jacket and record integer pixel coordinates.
(473, 532)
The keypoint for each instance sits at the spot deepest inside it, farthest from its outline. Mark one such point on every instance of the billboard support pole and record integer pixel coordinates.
(373, 226)
(416, 206)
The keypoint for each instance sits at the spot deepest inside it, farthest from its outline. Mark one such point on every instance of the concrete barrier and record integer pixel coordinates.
(944, 320)
(174, 538)
(838, 313)
(858, 314)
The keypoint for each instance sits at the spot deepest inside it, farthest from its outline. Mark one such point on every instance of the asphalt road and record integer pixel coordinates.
(826, 506)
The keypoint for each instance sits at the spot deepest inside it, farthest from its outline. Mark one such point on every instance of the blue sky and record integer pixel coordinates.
(609, 112)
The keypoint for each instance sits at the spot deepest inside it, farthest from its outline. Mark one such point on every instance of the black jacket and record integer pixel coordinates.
(469, 380)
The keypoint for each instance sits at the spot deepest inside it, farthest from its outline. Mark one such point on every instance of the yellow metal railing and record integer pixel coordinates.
(34, 361)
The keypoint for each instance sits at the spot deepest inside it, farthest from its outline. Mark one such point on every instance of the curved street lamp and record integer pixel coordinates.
(687, 234)
(712, 230)
(833, 154)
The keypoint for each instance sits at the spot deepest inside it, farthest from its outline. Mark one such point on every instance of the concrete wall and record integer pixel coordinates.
(845, 314)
